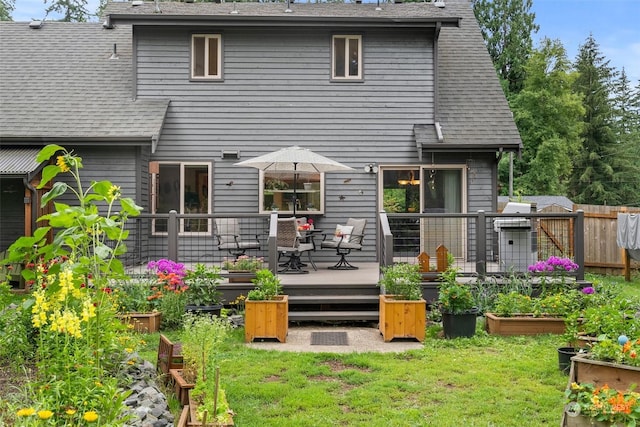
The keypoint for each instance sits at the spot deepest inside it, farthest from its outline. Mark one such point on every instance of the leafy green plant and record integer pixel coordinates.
(402, 281)
(454, 297)
(243, 263)
(211, 399)
(202, 334)
(202, 285)
(626, 351)
(513, 303)
(79, 342)
(558, 305)
(604, 403)
(267, 286)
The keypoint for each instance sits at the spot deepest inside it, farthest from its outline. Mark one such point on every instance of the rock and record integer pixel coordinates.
(148, 405)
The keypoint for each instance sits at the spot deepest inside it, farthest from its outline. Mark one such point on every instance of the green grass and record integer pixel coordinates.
(481, 381)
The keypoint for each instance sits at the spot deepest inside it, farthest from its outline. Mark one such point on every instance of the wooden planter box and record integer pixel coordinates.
(402, 318)
(620, 377)
(241, 276)
(523, 325)
(143, 322)
(267, 319)
(584, 421)
(193, 418)
(180, 386)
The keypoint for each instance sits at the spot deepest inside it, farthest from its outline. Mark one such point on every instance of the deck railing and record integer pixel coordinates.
(481, 243)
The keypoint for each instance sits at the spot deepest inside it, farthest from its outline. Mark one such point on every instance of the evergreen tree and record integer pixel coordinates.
(549, 117)
(6, 8)
(507, 26)
(602, 172)
(71, 10)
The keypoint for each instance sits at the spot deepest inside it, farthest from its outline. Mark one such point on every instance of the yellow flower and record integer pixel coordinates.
(26, 412)
(70, 411)
(45, 414)
(62, 164)
(90, 416)
(114, 192)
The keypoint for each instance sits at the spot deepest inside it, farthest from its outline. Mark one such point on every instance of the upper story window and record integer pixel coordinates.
(346, 57)
(206, 56)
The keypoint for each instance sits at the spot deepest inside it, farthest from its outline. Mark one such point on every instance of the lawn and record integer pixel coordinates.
(481, 381)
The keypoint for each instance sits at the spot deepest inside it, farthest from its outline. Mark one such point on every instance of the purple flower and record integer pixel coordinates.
(553, 263)
(588, 290)
(167, 266)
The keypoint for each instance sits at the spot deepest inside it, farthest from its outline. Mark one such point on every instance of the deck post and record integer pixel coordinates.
(481, 244)
(578, 243)
(172, 236)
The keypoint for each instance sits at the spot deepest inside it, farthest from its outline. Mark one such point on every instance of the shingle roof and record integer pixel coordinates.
(58, 82)
(543, 201)
(330, 12)
(472, 109)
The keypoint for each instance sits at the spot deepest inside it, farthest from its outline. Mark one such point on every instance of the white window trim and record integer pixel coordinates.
(208, 37)
(347, 37)
(154, 199)
(300, 211)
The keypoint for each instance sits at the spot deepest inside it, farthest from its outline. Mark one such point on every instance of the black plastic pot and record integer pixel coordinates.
(459, 325)
(205, 309)
(564, 358)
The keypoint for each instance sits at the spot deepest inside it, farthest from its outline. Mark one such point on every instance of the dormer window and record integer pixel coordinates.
(206, 56)
(347, 57)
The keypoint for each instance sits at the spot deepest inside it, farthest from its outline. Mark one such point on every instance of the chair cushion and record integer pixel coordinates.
(358, 229)
(342, 233)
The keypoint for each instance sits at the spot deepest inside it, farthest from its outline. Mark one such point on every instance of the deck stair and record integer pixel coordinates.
(332, 302)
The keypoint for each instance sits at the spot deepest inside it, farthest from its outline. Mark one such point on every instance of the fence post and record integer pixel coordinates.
(481, 244)
(172, 236)
(578, 243)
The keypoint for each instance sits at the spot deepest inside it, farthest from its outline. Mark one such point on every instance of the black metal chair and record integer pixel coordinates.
(346, 242)
(230, 238)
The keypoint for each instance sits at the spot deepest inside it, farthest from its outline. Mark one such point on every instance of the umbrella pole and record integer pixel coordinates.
(295, 185)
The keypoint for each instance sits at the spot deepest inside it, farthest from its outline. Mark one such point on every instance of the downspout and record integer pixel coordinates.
(33, 201)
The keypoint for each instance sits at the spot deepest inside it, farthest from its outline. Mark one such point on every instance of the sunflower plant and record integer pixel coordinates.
(79, 341)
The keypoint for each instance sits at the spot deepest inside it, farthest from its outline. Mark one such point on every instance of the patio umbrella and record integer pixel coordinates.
(294, 159)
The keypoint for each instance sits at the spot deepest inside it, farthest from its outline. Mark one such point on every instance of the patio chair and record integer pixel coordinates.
(289, 243)
(347, 238)
(230, 239)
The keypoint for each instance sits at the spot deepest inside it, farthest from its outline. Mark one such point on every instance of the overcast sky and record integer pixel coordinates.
(615, 25)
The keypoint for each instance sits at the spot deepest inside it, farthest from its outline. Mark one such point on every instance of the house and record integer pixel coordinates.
(163, 98)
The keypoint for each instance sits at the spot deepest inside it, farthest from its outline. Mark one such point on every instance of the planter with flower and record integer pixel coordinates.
(139, 299)
(266, 310)
(611, 361)
(242, 269)
(517, 314)
(202, 290)
(402, 308)
(457, 305)
(603, 406)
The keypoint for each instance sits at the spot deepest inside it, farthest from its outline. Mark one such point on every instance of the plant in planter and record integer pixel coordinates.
(202, 289)
(202, 335)
(601, 404)
(266, 310)
(208, 403)
(245, 266)
(402, 308)
(457, 306)
(611, 362)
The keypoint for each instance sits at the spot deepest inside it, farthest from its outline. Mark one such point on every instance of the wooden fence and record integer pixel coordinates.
(601, 252)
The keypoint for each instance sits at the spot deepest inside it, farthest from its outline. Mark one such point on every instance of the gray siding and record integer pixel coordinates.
(277, 92)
